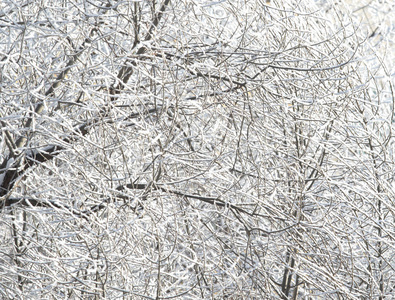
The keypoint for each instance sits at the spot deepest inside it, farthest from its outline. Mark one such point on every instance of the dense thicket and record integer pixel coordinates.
(193, 149)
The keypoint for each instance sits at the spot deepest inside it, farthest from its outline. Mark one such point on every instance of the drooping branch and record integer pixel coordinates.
(217, 201)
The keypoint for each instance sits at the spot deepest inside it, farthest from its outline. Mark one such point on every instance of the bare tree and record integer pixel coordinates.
(193, 149)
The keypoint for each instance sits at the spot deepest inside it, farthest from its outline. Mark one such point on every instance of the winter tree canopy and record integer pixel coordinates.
(174, 149)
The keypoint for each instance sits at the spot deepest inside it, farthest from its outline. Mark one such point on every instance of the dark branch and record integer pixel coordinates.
(211, 200)
(126, 71)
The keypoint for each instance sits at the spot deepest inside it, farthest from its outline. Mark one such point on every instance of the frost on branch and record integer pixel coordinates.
(194, 150)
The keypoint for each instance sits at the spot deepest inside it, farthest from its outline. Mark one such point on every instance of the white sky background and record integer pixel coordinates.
(372, 16)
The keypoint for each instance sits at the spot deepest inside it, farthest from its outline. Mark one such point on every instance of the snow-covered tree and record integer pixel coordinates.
(162, 149)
